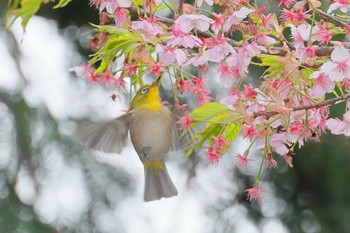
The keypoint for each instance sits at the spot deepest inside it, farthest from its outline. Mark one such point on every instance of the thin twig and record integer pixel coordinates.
(306, 107)
(181, 7)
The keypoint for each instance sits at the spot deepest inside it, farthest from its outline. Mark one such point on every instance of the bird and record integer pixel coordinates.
(153, 132)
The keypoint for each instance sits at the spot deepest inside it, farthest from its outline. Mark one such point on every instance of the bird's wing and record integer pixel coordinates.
(179, 140)
(108, 137)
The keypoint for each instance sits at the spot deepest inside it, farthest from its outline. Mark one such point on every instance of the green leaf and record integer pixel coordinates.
(24, 9)
(62, 3)
(207, 111)
(232, 132)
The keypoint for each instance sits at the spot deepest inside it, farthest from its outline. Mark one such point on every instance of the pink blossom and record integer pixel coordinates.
(294, 17)
(278, 143)
(213, 155)
(110, 5)
(220, 143)
(230, 99)
(188, 22)
(254, 193)
(85, 71)
(150, 28)
(119, 17)
(242, 161)
(286, 3)
(338, 127)
(322, 85)
(270, 162)
(131, 69)
(236, 18)
(185, 122)
(169, 55)
(218, 21)
(264, 39)
(226, 76)
(200, 2)
(198, 90)
(183, 85)
(321, 34)
(220, 51)
(300, 33)
(343, 5)
(249, 132)
(183, 39)
(156, 68)
(339, 67)
(200, 59)
(249, 91)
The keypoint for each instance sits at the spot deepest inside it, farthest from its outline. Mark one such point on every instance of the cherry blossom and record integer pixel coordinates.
(322, 85)
(110, 5)
(200, 2)
(339, 67)
(185, 122)
(236, 18)
(149, 28)
(189, 22)
(183, 39)
(170, 55)
(254, 193)
(343, 5)
(242, 161)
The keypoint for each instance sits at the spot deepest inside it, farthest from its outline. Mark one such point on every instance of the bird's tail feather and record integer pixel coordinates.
(158, 184)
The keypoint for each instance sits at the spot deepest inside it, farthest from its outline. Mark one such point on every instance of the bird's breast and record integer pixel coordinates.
(150, 132)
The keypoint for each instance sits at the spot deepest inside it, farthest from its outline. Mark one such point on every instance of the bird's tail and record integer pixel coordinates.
(158, 183)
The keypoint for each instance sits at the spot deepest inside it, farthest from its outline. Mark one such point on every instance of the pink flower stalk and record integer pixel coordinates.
(217, 24)
(242, 161)
(156, 68)
(236, 18)
(254, 193)
(188, 22)
(185, 122)
(342, 5)
(110, 5)
(322, 85)
(200, 2)
(150, 28)
(169, 55)
(249, 132)
(338, 68)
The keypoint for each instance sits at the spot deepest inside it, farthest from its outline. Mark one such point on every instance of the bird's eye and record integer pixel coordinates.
(144, 90)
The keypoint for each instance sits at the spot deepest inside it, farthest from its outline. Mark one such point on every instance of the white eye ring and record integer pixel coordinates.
(144, 90)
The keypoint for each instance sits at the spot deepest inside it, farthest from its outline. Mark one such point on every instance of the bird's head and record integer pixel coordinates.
(147, 97)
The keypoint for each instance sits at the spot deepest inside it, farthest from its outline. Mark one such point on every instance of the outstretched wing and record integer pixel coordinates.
(110, 137)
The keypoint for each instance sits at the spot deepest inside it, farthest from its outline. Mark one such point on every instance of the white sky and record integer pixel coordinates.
(64, 199)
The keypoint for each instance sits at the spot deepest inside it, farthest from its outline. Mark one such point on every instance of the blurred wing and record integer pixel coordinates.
(178, 140)
(109, 137)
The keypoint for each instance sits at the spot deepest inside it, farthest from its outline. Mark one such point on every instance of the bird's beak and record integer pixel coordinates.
(157, 82)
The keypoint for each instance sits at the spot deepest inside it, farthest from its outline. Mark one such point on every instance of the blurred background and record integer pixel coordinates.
(49, 183)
